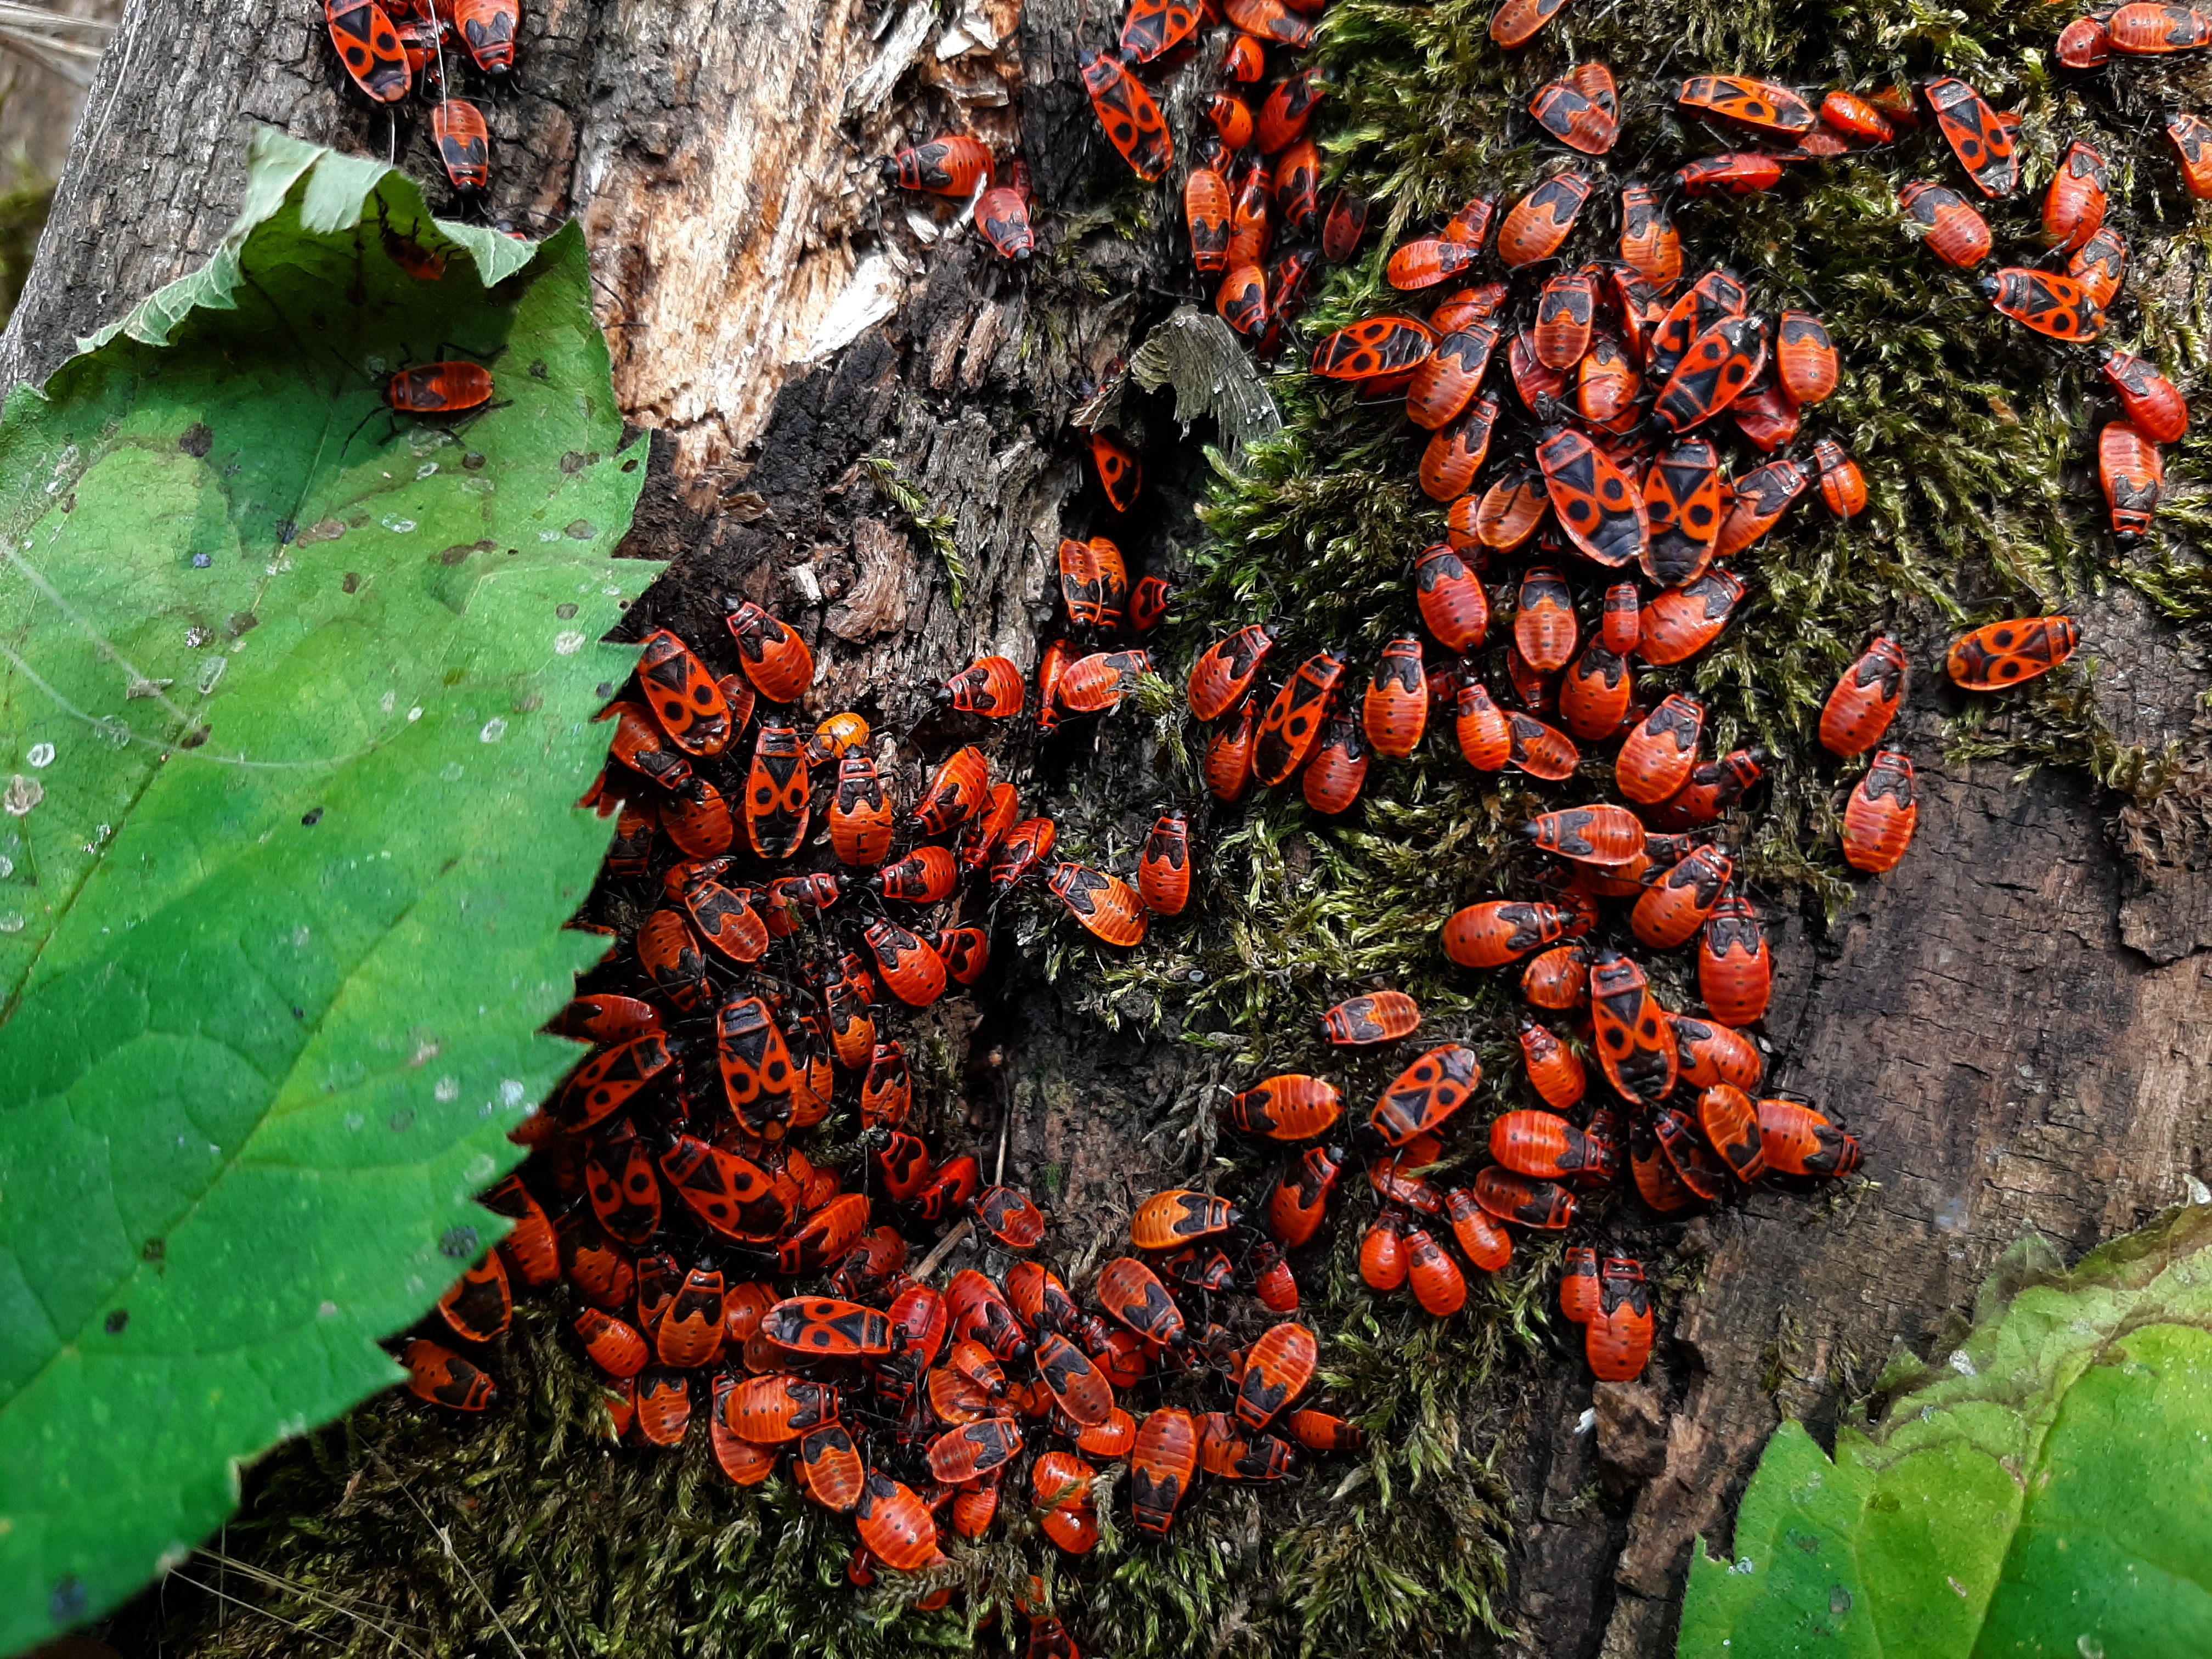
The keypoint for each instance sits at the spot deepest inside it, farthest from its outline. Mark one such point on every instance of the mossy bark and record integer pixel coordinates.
(2013, 1023)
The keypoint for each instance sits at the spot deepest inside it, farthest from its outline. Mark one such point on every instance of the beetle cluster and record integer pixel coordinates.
(720, 1271)
(389, 49)
(962, 169)
(676, 1205)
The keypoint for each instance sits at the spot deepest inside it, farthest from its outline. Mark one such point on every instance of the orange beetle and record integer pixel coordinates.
(828, 1468)
(2153, 407)
(1022, 850)
(2191, 136)
(896, 1525)
(1649, 241)
(1866, 699)
(1493, 933)
(1132, 1294)
(1228, 765)
(1657, 1183)
(1797, 1141)
(1579, 1284)
(1379, 347)
(1558, 979)
(2073, 206)
(682, 696)
(1395, 712)
(1334, 777)
(1098, 681)
(1735, 968)
(915, 974)
(1383, 1253)
(1554, 1070)
(1225, 671)
(1564, 310)
(1617, 1338)
(951, 165)
(1294, 719)
(1425, 1093)
(1656, 759)
(1882, 814)
(1587, 835)
(1683, 501)
(1111, 1438)
(1161, 1464)
(1061, 1480)
(1708, 1053)
(1454, 606)
(1277, 1369)
(1448, 378)
(613, 1345)
(774, 658)
(1544, 1144)
(1762, 496)
(1168, 1219)
(1683, 621)
(1077, 1386)
(1299, 1199)
(1437, 1284)
(1842, 486)
(990, 686)
(1289, 1106)
(1606, 382)
(775, 1409)
(1106, 906)
(1458, 450)
(1595, 692)
(1484, 1244)
(1383, 1016)
(1544, 625)
(1953, 231)
(1163, 872)
(1429, 260)
(1674, 908)
(1635, 1043)
(1321, 1432)
(1729, 1121)
(2133, 475)
(1581, 111)
(1543, 1205)
(2007, 653)
(1516, 22)
(887, 1089)
(1805, 359)
(1511, 509)
(690, 1332)
(1539, 221)
(972, 1450)
(1482, 730)
(777, 794)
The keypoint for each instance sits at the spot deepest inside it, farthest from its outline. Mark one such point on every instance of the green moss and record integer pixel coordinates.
(936, 528)
(23, 210)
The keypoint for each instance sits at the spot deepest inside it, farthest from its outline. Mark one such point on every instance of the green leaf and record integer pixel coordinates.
(296, 700)
(2041, 1491)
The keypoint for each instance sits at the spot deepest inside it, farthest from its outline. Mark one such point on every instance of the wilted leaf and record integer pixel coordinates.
(296, 697)
(1198, 354)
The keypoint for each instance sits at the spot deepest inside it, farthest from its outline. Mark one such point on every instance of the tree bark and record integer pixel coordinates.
(2013, 1024)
